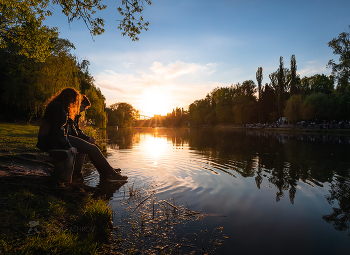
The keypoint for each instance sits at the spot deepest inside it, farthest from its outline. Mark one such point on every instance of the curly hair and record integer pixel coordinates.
(70, 98)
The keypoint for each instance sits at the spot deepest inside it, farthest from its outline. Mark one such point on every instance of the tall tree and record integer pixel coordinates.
(341, 70)
(293, 76)
(268, 103)
(281, 88)
(259, 78)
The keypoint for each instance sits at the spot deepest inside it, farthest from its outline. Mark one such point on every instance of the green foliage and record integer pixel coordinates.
(268, 104)
(21, 28)
(341, 70)
(99, 215)
(21, 22)
(96, 112)
(243, 110)
(281, 84)
(27, 84)
(340, 107)
(227, 105)
(132, 25)
(121, 114)
(201, 111)
(317, 83)
(294, 78)
(320, 104)
(59, 243)
(293, 110)
(259, 78)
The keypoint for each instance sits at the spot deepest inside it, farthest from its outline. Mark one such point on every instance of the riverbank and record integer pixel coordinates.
(40, 215)
(290, 129)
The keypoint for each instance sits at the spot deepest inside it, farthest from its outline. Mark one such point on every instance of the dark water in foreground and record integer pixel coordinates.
(280, 193)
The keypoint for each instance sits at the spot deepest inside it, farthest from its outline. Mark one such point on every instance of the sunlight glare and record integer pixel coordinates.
(155, 146)
(156, 101)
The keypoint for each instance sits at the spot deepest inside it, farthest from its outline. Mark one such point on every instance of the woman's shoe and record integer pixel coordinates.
(115, 176)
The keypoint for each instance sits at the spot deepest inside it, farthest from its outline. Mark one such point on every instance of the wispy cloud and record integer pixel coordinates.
(312, 68)
(126, 64)
(158, 75)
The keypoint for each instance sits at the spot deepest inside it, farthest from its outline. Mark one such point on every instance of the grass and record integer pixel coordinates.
(18, 138)
(39, 218)
(39, 215)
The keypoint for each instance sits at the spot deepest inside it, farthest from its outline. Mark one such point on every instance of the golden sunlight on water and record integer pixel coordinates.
(272, 183)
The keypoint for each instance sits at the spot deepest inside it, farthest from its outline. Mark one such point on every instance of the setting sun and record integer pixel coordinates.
(156, 101)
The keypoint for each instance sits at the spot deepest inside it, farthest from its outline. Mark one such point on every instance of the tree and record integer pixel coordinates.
(223, 104)
(21, 22)
(26, 84)
(268, 103)
(341, 70)
(96, 112)
(121, 114)
(294, 78)
(294, 108)
(317, 83)
(320, 103)
(259, 78)
(281, 88)
(243, 109)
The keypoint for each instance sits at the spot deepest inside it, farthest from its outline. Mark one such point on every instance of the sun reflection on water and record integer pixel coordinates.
(155, 147)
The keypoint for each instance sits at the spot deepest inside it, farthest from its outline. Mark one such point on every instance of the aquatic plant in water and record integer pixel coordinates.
(150, 225)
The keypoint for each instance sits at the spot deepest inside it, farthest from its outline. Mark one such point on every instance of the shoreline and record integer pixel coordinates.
(285, 129)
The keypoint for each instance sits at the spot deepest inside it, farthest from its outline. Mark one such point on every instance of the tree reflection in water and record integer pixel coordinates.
(340, 192)
(281, 159)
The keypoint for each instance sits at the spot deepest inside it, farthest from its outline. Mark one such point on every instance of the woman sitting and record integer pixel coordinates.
(53, 135)
(74, 130)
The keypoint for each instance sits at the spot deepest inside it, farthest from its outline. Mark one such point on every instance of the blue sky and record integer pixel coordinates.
(193, 46)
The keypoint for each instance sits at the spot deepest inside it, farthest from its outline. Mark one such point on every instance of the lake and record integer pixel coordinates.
(273, 193)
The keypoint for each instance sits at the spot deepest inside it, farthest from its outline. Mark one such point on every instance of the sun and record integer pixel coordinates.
(156, 101)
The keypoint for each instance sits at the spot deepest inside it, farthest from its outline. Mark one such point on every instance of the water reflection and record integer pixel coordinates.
(106, 189)
(283, 161)
(340, 194)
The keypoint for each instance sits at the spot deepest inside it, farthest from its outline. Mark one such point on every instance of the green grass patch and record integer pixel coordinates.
(18, 138)
(39, 217)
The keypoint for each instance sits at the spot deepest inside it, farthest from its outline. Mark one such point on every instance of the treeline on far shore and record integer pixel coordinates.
(315, 98)
(26, 84)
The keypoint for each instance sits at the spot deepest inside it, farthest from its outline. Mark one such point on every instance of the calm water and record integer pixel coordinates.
(280, 193)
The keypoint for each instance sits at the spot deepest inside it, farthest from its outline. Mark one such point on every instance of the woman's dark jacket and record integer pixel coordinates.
(74, 130)
(52, 133)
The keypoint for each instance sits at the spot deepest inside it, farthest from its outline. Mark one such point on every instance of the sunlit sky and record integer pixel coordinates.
(194, 46)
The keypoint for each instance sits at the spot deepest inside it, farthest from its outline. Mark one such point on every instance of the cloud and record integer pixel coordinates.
(312, 68)
(178, 83)
(127, 65)
(158, 75)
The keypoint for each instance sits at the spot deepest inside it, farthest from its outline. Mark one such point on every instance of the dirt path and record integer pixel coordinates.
(25, 165)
